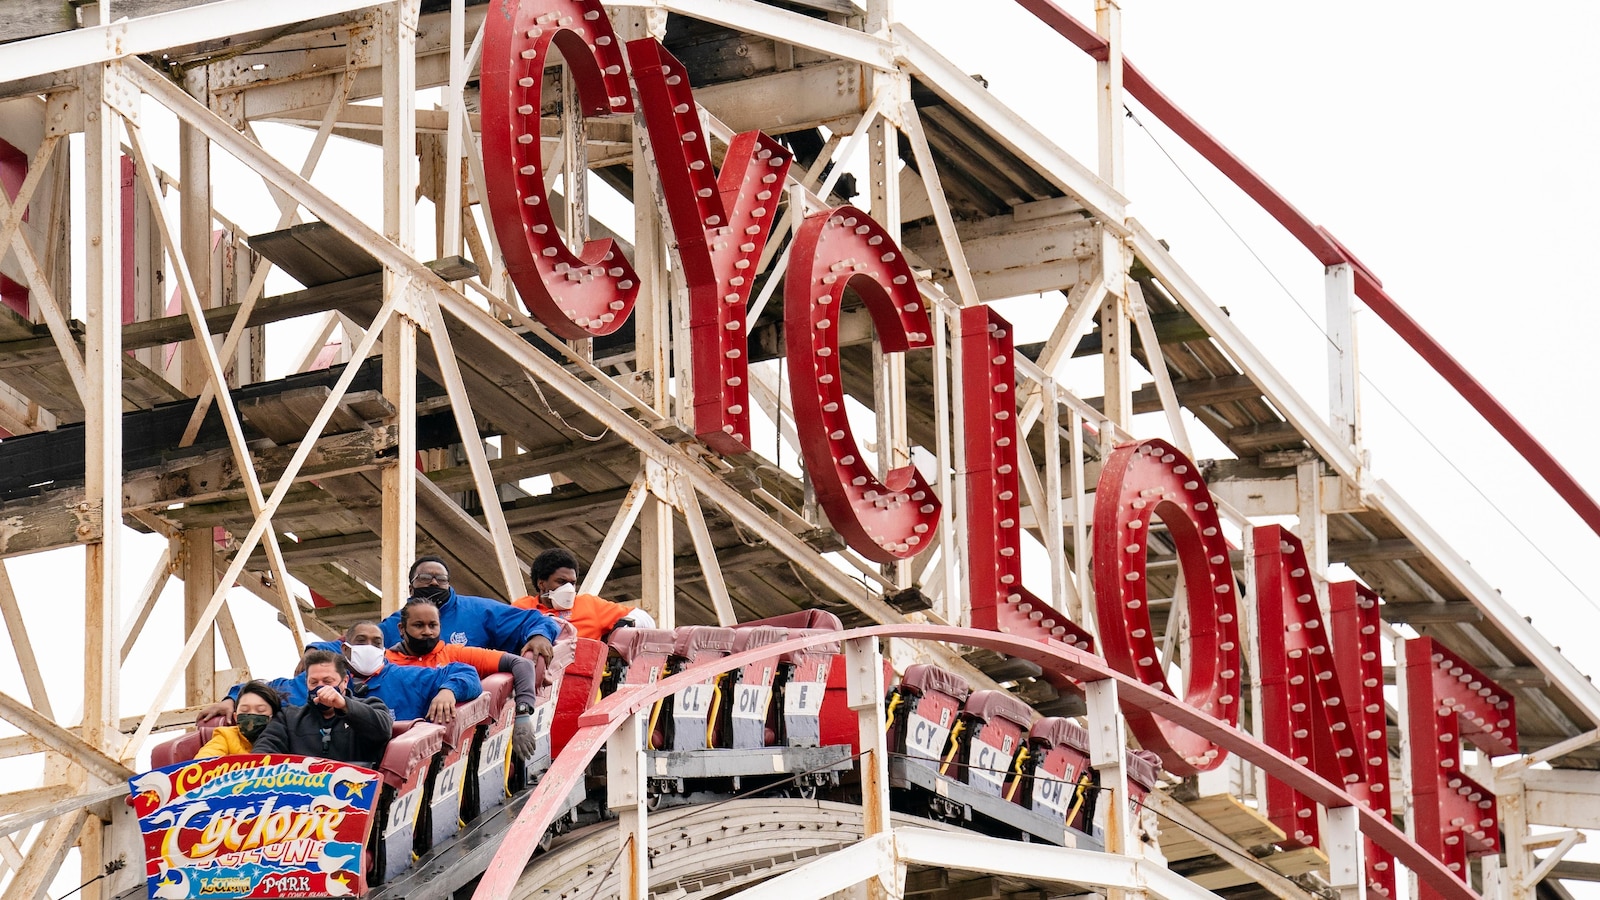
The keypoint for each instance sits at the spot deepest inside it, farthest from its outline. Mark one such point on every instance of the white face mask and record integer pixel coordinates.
(365, 658)
(563, 597)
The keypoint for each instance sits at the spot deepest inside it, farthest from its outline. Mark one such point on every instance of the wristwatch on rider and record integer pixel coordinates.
(524, 709)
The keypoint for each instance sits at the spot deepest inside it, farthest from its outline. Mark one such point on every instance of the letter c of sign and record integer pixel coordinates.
(578, 295)
(883, 520)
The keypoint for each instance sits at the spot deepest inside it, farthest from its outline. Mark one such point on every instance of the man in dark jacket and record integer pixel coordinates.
(332, 724)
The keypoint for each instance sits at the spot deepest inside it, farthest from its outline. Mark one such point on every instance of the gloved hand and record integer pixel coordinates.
(523, 739)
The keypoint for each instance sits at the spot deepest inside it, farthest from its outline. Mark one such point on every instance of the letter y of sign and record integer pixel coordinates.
(720, 225)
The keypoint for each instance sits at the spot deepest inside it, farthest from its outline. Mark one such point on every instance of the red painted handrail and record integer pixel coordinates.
(599, 723)
(1329, 251)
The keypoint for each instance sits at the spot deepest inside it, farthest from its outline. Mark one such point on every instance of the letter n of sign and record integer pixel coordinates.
(1322, 702)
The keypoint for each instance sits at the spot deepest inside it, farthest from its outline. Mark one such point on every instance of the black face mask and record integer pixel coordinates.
(438, 593)
(420, 646)
(252, 724)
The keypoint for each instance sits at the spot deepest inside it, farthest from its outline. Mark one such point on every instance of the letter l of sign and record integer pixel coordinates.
(720, 226)
(994, 569)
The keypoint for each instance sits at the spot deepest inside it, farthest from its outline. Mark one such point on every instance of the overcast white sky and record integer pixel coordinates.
(1450, 146)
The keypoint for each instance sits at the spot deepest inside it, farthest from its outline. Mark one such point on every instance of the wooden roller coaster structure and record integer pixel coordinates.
(647, 321)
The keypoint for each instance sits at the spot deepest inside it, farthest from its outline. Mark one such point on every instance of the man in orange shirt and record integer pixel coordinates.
(555, 577)
(419, 645)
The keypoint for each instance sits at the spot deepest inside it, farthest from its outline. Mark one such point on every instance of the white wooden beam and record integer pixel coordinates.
(147, 34)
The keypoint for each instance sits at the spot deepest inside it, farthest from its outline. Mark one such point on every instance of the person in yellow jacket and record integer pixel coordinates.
(258, 704)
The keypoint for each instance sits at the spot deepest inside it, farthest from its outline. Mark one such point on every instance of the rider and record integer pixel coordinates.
(474, 621)
(419, 622)
(409, 693)
(555, 578)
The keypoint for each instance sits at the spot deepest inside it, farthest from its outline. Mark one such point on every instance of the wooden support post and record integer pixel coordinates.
(653, 320)
(655, 562)
(864, 687)
(1346, 851)
(102, 410)
(400, 336)
(45, 856)
(1080, 527)
(575, 177)
(1344, 386)
(626, 795)
(455, 129)
(32, 677)
(606, 557)
(197, 548)
(1063, 592)
(102, 403)
(1312, 527)
(199, 572)
(888, 370)
(1108, 742)
(1114, 323)
(706, 552)
(1156, 363)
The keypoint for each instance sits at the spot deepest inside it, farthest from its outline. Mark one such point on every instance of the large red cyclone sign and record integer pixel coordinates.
(1320, 686)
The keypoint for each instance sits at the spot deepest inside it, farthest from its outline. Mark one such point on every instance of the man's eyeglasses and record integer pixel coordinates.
(425, 580)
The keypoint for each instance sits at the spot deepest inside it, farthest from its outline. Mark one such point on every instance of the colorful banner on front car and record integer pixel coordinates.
(254, 826)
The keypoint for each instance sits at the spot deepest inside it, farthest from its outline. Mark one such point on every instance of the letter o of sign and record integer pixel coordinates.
(576, 295)
(1153, 478)
(897, 517)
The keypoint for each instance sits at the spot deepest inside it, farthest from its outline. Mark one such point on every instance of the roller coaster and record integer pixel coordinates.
(705, 292)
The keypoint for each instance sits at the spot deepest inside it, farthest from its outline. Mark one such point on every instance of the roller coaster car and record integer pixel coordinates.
(690, 718)
(758, 725)
(992, 740)
(183, 747)
(922, 712)
(488, 764)
(550, 677)
(1056, 779)
(973, 758)
(636, 656)
(405, 767)
(441, 818)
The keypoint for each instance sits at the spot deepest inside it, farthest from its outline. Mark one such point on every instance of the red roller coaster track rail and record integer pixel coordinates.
(596, 725)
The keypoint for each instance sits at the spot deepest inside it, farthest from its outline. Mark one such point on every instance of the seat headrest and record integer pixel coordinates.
(1144, 768)
(924, 678)
(758, 636)
(632, 643)
(1059, 732)
(805, 618)
(693, 640)
(989, 705)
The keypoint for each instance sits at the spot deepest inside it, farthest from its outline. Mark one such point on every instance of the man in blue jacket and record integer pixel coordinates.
(410, 692)
(475, 621)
